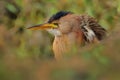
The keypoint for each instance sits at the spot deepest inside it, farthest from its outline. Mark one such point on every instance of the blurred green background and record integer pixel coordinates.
(27, 55)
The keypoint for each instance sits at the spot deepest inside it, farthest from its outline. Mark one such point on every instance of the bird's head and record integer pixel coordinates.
(60, 23)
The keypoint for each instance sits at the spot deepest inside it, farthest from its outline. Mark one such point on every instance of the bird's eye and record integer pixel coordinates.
(55, 24)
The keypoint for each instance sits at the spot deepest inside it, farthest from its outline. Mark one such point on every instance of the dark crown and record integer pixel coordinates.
(58, 15)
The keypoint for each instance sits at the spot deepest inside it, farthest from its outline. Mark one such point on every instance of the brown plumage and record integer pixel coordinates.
(72, 30)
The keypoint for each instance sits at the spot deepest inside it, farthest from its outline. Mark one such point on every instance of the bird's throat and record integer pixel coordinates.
(66, 44)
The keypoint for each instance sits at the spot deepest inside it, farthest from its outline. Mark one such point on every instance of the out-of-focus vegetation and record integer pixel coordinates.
(27, 55)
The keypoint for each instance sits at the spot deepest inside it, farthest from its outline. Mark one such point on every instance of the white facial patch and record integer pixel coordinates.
(54, 32)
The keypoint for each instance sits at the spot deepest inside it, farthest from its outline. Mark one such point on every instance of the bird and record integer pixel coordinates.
(71, 30)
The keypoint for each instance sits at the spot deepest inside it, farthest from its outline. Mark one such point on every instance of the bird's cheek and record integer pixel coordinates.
(65, 29)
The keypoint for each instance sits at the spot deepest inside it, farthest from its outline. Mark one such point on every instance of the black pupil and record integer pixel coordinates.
(55, 24)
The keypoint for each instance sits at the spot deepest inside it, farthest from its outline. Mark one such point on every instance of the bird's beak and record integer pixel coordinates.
(43, 26)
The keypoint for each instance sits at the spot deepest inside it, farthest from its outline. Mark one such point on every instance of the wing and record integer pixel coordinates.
(91, 29)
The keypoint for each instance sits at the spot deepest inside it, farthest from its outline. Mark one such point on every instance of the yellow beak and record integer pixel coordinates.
(43, 26)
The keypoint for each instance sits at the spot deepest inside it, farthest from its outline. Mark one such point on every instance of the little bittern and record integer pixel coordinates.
(71, 30)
